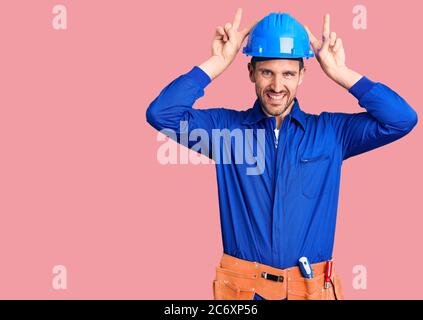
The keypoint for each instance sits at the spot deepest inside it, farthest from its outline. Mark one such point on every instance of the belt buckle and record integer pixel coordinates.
(272, 277)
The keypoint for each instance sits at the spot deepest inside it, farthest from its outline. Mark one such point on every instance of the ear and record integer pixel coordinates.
(302, 72)
(251, 72)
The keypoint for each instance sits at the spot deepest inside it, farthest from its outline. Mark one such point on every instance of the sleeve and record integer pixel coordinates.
(388, 117)
(173, 114)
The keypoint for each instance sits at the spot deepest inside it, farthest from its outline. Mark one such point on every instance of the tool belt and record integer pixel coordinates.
(238, 279)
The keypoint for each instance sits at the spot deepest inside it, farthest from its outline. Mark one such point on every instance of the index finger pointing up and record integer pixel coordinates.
(237, 19)
(326, 27)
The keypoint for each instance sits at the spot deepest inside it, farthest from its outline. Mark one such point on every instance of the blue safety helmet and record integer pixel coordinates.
(278, 35)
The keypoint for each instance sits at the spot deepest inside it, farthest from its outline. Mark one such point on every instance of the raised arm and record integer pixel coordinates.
(174, 105)
(388, 117)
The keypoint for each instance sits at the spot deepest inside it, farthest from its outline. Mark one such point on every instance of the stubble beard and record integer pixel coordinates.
(275, 113)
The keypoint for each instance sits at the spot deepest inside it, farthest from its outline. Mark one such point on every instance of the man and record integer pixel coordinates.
(273, 217)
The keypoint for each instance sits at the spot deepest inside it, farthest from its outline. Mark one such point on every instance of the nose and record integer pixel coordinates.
(277, 84)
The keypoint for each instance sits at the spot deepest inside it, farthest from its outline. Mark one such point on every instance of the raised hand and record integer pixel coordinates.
(228, 40)
(331, 55)
(226, 43)
(330, 51)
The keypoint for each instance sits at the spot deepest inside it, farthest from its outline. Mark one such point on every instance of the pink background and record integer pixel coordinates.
(80, 184)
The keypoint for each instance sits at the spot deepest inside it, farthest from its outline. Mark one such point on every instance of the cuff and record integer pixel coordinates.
(361, 87)
(199, 76)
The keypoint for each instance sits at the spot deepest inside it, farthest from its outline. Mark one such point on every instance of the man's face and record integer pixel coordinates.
(276, 83)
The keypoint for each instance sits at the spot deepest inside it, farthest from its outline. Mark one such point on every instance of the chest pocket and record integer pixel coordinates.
(314, 175)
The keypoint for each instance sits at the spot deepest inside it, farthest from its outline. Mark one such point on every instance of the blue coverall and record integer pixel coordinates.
(289, 209)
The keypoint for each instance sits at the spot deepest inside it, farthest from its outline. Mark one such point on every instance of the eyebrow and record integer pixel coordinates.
(286, 71)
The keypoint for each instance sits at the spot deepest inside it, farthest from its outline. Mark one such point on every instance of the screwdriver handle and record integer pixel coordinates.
(328, 273)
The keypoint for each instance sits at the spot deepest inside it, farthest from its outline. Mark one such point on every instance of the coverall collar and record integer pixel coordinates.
(257, 114)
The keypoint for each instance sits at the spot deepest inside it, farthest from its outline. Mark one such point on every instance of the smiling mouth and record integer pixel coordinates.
(276, 98)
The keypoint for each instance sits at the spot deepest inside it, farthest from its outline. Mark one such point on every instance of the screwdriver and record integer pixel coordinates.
(328, 273)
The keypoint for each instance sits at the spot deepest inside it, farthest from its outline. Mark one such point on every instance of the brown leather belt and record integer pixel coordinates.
(238, 279)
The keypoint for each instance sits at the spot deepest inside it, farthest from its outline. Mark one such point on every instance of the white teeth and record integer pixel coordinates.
(276, 97)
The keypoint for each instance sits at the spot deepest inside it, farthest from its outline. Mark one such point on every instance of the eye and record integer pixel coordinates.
(266, 73)
(288, 75)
